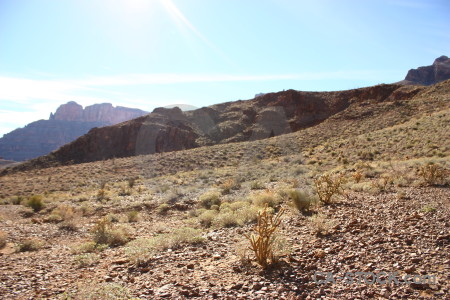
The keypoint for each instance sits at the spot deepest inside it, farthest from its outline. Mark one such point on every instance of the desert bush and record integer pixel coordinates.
(206, 218)
(262, 241)
(301, 200)
(163, 208)
(209, 198)
(327, 186)
(95, 291)
(228, 185)
(35, 202)
(131, 182)
(226, 219)
(32, 244)
(104, 232)
(16, 200)
(87, 247)
(382, 184)
(320, 224)
(101, 194)
(256, 185)
(433, 174)
(124, 190)
(143, 249)
(357, 176)
(266, 198)
(3, 237)
(67, 215)
(133, 216)
(87, 259)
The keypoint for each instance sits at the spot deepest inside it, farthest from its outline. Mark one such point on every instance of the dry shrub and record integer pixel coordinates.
(133, 216)
(301, 200)
(321, 225)
(262, 242)
(266, 198)
(327, 186)
(67, 215)
(142, 250)
(433, 174)
(3, 237)
(382, 184)
(95, 291)
(32, 244)
(104, 232)
(228, 185)
(357, 176)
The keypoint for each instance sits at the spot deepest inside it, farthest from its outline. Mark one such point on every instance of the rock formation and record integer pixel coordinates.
(428, 75)
(69, 122)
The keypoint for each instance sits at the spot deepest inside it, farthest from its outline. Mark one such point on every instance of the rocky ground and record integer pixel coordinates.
(405, 231)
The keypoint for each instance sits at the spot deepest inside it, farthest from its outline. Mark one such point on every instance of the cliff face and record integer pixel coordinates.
(265, 116)
(428, 75)
(104, 112)
(69, 122)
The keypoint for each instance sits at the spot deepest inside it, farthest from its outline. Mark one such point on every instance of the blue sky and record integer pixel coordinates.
(150, 53)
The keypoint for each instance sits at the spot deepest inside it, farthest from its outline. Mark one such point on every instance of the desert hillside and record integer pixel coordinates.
(358, 180)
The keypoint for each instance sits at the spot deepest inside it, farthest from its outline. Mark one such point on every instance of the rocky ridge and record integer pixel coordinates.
(269, 115)
(428, 75)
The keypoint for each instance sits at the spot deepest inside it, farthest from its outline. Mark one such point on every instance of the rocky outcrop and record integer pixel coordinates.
(428, 75)
(69, 122)
(269, 115)
(104, 112)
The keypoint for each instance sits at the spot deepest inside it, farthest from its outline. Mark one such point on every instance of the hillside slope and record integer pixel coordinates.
(181, 217)
(270, 115)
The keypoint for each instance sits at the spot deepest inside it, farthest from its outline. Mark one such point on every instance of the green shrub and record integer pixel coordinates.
(206, 218)
(35, 202)
(209, 198)
(94, 291)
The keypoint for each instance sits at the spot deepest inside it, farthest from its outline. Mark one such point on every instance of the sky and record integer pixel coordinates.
(151, 53)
